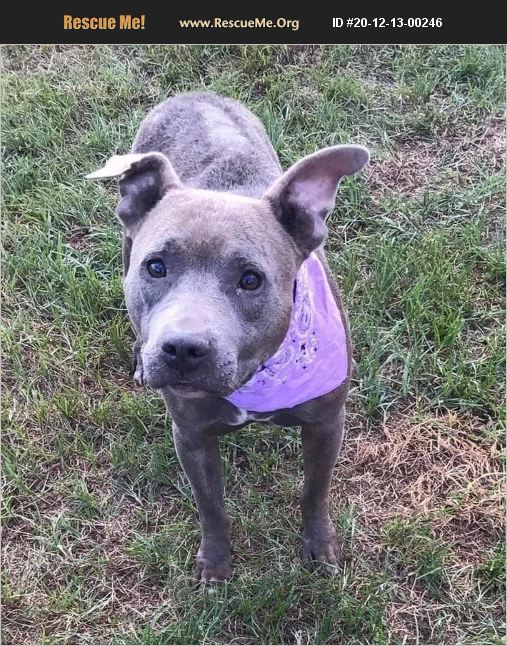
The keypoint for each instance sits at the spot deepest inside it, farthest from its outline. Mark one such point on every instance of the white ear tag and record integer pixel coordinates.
(116, 165)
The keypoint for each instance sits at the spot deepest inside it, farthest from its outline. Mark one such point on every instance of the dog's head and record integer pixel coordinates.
(209, 276)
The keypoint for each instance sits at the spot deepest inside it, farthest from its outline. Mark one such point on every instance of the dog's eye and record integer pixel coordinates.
(250, 280)
(156, 268)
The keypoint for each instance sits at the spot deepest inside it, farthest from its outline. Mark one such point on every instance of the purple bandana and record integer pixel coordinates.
(312, 359)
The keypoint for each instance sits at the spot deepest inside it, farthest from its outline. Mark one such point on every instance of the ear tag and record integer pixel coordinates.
(115, 166)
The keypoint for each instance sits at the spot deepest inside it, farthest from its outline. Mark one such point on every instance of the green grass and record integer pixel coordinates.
(415, 547)
(100, 529)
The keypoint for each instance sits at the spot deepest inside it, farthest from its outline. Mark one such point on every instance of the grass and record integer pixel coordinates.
(100, 529)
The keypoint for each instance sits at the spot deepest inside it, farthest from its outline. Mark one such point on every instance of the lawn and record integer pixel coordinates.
(99, 526)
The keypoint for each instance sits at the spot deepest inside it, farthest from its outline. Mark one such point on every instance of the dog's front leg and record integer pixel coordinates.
(199, 456)
(321, 446)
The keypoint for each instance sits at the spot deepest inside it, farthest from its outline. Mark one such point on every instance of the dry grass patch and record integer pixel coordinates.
(428, 499)
(442, 468)
(415, 166)
(407, 171)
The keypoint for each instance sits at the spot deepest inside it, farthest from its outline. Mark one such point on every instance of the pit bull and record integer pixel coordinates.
(237, 315)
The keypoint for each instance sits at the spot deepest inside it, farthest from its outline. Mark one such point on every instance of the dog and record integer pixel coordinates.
(237, 315)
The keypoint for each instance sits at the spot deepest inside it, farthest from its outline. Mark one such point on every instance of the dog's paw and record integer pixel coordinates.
(206, 573)
(322, 553)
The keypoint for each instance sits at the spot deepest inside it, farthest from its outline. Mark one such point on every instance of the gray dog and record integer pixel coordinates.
(237, 315)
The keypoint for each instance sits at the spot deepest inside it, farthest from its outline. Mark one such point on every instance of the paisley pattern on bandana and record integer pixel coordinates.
(312, 359)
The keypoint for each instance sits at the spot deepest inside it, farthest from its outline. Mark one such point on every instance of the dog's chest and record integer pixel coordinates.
(243, 416)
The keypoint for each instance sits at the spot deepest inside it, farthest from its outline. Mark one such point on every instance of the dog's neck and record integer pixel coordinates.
(312, 359)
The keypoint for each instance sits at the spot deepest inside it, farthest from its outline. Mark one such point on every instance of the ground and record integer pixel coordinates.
(99, 526)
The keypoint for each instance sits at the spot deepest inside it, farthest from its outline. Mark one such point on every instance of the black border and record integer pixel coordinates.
(43, 24)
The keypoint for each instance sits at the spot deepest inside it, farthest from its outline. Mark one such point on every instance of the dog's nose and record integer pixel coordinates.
(186, 352)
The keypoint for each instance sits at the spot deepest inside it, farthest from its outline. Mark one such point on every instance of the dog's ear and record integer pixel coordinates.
(303, 196)
(144, 179)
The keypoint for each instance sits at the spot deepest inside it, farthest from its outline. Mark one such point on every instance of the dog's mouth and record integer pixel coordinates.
(212, 381)
(194, 389)
(185, 387)
(200, 388)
